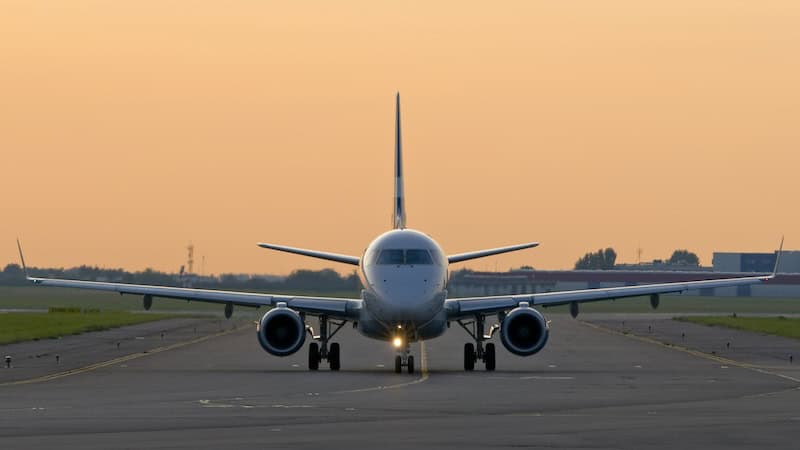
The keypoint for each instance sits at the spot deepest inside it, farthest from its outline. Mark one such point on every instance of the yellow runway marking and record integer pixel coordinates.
(114, 361)
(697, 353)
(423, 376)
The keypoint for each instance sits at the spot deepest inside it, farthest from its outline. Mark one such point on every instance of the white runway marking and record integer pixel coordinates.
(546, 378)
(534, 377)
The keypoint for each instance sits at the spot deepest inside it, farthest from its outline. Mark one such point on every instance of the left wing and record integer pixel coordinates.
(460, 307)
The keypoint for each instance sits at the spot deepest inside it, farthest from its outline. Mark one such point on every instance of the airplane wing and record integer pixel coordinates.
(346, 308)
(459, 307)
(462, 307)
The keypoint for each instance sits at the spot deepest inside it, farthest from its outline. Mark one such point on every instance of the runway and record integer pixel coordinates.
(591, 387)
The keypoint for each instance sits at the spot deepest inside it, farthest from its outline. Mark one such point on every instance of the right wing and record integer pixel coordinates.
(346, 308)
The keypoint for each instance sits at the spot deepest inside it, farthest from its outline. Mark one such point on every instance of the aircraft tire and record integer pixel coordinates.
(313, 356)
(489, 357)
(334, 356)
(398, 364)
(469, 356)
(410, 364)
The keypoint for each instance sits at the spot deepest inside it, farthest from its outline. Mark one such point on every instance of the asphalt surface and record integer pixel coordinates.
(593, 386)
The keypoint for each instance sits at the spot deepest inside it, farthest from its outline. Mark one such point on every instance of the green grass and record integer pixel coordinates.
(18, 327)
(779, 326)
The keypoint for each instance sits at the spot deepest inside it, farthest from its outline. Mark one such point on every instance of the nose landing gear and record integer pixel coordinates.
(404, 359)
(477, 351)
(319, 351)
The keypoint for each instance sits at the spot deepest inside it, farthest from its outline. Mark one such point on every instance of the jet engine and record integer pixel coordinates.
(524, 331)
(281, 331)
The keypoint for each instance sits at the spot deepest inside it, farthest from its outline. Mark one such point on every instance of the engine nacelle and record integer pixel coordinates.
(281, 331)
(524, 331)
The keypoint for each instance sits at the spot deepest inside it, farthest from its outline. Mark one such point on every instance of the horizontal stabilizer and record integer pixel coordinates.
(489, 252)
(312, 253)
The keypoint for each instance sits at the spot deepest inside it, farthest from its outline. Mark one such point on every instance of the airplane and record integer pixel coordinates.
(404, 273)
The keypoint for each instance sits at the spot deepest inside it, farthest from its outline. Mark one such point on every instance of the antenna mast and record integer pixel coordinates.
(190, 261)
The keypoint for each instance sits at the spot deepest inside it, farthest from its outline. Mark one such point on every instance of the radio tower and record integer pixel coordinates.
(190, 261)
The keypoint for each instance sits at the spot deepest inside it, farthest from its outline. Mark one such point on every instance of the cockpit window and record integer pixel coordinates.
(391, 257)
(398, 257)
(414, 257)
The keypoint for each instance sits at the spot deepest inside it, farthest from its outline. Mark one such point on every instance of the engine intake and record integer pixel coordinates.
(281, 331)
(524, 331)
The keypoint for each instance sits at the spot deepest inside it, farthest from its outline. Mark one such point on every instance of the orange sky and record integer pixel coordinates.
(129, 128)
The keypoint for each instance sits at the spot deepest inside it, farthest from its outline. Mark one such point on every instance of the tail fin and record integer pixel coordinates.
(399, 216)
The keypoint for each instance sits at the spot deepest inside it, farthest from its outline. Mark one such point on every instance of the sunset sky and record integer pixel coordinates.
(129, 128)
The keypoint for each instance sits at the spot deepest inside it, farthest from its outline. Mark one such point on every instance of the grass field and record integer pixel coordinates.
(779, 326)
(18, 327)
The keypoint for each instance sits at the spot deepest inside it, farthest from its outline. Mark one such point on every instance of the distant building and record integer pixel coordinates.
(756, 262)
(664, 266)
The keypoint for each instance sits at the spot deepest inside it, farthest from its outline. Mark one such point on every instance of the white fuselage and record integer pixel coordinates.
(404, 273)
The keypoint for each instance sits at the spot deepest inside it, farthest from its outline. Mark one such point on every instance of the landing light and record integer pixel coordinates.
(397, 342)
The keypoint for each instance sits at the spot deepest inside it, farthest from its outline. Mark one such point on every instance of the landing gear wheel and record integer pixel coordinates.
(489, 358)
(410, 364)
(398, 364)
(469, 357)
(313, 356)
(333, 356)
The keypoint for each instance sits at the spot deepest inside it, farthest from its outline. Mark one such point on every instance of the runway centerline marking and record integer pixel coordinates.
(111, 362)
(532, 377)
(423, 376)
(697, 353)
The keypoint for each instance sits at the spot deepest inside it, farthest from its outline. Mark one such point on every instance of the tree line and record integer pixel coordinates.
(604, 259)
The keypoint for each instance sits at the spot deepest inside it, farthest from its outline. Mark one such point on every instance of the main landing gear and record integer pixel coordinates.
(477, 351)
(319, 351)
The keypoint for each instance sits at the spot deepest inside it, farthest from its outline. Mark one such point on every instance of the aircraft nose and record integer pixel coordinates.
(407, 303)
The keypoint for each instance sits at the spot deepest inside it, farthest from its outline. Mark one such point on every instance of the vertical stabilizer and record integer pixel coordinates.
(399, 216)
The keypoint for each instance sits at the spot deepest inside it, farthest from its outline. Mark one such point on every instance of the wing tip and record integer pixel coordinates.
(22, 260)
(777, 259)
